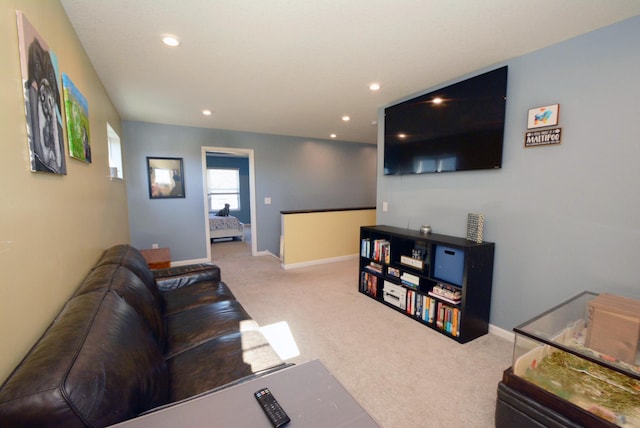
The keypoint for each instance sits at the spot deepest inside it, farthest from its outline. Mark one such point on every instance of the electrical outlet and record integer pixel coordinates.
(267, 201)
(385, 206)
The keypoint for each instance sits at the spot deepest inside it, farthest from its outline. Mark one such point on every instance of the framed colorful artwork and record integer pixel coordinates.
(540, 117)
(77, 115)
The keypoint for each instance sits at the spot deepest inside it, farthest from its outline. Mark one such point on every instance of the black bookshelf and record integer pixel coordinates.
(441, 281)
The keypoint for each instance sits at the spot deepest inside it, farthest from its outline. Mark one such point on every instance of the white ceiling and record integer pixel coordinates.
(295, 67)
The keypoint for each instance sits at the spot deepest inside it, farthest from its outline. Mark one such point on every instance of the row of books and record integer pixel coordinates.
(431, 310)
(369, 284)
(379, 250)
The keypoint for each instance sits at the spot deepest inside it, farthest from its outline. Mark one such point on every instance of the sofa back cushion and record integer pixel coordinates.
(129, 257)
(96, 365)
(131, 288)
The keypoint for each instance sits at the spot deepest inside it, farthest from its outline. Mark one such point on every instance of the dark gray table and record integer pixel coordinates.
(309, 394)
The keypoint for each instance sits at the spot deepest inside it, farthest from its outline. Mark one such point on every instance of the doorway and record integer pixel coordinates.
(234, 152)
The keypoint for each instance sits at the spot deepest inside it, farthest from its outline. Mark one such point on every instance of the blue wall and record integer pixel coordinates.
(296, 173)
(564, 218)
(242, 164)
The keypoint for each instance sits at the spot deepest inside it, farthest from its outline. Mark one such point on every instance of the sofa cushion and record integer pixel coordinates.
(192, 327)
(131, 288)
(219, 361)
(181, 276)
(132, 259)
(96, 365)
(202, 293)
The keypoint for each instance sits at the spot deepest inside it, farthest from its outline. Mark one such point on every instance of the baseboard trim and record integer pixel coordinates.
(318, 262)
(190, 262)
(500, 332)
(267, 253)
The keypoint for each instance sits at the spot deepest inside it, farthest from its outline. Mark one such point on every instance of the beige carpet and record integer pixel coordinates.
(403, 373)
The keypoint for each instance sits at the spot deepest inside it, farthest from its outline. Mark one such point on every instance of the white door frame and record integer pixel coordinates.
(247, 153)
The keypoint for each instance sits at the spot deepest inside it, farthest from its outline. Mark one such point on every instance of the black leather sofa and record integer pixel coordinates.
(130, 340)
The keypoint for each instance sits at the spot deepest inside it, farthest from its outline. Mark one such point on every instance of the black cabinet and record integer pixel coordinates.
(441, 281)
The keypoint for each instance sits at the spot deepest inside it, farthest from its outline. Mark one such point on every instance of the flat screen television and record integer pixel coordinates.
(456, 128)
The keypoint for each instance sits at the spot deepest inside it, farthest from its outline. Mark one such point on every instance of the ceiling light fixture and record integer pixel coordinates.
(346, 118)
(437, 100)
(206, 112)
(333, 135)
(374, 86)
(171, 41)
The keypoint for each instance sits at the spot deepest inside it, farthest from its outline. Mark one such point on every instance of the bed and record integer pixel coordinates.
(225, 227)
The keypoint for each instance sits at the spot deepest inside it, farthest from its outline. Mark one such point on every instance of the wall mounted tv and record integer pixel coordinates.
(456, 128)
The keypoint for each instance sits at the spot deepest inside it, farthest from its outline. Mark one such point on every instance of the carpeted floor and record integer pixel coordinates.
(403, 373)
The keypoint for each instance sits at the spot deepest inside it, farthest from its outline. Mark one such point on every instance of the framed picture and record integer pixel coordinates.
(77, 114)
(166, 178)
(39, 67)
(540, 117)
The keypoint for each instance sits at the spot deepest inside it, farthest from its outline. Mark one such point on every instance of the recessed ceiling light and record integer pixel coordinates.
(374, 86)
(437, 100)
(333, 135)
(171, 41)
(403, 136)
(206, 112)
(346, 118)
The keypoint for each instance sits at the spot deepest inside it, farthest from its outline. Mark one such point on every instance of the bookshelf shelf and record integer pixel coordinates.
(409, 265)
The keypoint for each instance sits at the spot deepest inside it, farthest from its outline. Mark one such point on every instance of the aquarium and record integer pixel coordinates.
(555, 351)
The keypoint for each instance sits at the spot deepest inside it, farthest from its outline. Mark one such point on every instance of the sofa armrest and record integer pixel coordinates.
(181, 276)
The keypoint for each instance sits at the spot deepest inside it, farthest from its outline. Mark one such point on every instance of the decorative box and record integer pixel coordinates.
(449, 264)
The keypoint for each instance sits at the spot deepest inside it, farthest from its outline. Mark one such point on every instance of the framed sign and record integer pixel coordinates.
(166, 178)
(540, 117)
(543, 137)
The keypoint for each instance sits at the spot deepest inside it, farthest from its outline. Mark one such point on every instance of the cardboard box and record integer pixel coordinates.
(613, 327)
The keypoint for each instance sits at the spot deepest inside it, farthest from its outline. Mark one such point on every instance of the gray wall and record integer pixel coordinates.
(295, 173)
(564, 218)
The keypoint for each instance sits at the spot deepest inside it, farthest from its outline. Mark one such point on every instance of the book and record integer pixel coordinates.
(382, 251)
(369, 284)
(394, 272)
(432, 310)
(375, 267)
(365, 247)
(446, 292)
(410, 280)
(453, 302)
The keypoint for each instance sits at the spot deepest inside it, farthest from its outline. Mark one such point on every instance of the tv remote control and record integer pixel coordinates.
(271, 408)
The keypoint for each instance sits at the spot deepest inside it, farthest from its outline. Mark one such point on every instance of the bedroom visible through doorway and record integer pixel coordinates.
(229, 195)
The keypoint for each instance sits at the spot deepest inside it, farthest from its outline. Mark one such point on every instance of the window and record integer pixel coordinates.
(115, 154)
(223, 187)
